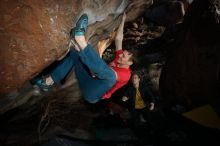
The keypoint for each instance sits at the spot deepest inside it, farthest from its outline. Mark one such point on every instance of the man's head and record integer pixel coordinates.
(135, 79)
(126, 58)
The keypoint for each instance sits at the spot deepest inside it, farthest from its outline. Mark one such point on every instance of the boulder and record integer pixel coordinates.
(33, 34)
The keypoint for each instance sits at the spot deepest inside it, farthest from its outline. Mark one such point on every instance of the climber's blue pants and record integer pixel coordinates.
(82, 62)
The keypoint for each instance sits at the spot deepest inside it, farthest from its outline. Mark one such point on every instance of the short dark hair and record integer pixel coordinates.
(135, 72)
(133, 57)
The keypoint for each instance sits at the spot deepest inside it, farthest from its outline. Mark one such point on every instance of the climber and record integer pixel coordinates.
(84, 60)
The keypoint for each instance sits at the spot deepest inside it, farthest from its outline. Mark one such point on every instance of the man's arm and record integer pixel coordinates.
(127, 94)
(119, 35)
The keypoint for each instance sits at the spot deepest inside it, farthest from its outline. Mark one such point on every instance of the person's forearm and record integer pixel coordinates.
(120, 30)
(119, 35)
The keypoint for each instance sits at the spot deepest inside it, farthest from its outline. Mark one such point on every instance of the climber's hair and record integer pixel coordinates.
(133, 57)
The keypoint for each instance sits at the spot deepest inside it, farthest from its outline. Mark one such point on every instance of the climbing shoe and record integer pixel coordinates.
(81, 26)
(40, 82)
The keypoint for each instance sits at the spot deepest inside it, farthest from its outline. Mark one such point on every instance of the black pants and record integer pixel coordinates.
(136, 113)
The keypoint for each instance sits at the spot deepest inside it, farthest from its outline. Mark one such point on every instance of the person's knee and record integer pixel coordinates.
(112, 80)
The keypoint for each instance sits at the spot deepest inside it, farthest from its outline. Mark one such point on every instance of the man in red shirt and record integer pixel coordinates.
(121, 66)
(84, 60)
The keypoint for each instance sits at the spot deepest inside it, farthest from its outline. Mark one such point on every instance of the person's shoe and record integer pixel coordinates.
(81, 26)
(40, 82)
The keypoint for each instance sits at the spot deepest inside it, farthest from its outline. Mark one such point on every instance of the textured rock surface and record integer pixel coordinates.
(191, 73)
(35, 33)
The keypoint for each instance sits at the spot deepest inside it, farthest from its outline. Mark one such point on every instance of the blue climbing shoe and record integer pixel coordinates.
(81, 25)
(40, 82)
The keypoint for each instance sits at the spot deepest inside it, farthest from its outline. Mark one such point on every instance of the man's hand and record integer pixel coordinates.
(124, 98)
(151, 106)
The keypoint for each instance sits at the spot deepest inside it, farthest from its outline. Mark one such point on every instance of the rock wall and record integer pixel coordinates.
(33, 34)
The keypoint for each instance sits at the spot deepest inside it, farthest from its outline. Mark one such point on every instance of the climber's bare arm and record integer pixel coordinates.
(119, 36)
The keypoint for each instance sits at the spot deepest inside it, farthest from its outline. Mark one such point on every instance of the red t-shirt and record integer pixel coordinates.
(123, 76)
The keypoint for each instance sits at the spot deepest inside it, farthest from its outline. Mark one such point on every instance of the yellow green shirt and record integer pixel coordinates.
(139, 102)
